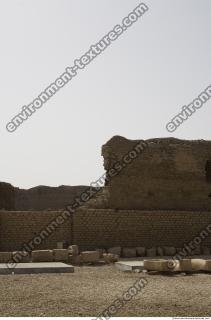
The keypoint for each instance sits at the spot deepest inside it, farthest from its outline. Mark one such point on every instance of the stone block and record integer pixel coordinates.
(161, 265)
(169, 251)
(154, 265)
(90, 256)
(73, 250)
(198, 264)
(129, 252)
(101, 252)
(172, 265)
(140, 251)
(5, 257)
(42, 256)
(160, 251)
(21, 257)
(208, 265)
(185, 265)
(151, 252)
(75, 260)
(110, 258)
(60, 255)
(115, 250)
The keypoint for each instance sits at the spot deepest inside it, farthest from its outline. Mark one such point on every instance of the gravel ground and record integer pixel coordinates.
(90, 290)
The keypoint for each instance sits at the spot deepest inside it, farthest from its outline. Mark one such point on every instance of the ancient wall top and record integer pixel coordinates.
(168, 173)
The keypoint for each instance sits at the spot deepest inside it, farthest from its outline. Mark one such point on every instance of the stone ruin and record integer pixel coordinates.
(162, 199)
(155, 204)
(7, 196)
(37, 198)
(169, 174)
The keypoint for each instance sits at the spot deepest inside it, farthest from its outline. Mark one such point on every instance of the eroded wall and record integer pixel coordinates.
(38, 198)
(7, 196)
(43, 197)
(168, 174)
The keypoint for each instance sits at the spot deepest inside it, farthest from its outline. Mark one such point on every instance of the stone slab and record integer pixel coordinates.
(60, 255)
(110, 258)
(162, 265)
(129, 265)
(42, 256)
(198, 263)
(37, 267)
(90, 256)
(115, 250)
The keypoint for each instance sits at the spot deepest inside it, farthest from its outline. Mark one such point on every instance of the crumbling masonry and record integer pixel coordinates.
(162, 198)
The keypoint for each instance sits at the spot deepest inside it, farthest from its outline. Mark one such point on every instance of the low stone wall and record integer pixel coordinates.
(19, 227)
(95, 228)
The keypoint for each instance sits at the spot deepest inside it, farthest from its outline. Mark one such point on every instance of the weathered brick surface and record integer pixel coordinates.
(17, 228)
(5, 257)
(38, 198)
(169, 174)
(205, 251)
(105, 228)
(44, 197)
(108, 228)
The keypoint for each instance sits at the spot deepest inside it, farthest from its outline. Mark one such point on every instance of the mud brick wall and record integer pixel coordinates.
(18, 227)
(44, 198)
(38, 198)
(7, 196)
(170, 174)
(95, 228)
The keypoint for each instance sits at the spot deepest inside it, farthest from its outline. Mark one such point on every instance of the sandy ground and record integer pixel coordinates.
(90, 290)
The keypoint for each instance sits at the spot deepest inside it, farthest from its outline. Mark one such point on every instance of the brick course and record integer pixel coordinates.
(95, 228)
(106, 228)
(18, 227)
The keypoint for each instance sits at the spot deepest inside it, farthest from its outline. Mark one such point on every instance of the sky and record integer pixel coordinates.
(132, 89)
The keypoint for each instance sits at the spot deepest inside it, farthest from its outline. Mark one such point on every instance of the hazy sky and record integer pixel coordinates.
(132, 89)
